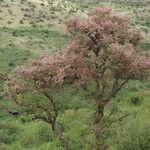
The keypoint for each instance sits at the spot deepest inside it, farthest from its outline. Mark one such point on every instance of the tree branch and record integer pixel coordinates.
(118, 119)
(54, 105)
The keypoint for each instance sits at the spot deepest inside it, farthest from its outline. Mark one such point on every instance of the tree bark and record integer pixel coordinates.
(59, 135)
(99, 128)
(54, 124)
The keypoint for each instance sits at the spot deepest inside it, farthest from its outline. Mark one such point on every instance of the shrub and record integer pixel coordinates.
(8, 132)
(40, 133)
(136, 100)
(21, 22)
(11, 64)
(9, 22)
(135, 138)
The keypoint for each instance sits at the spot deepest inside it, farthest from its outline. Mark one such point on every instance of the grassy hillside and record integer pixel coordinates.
(31, 28)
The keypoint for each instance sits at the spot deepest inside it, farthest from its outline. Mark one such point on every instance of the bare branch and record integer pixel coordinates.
(118, 119)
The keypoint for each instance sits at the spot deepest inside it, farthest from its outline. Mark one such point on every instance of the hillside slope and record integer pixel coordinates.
(16, 13)
(32, 28)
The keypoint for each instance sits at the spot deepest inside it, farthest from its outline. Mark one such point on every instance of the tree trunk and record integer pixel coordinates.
(59, 135)
(99, 128)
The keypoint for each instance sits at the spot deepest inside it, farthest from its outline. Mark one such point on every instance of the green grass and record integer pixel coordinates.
(14, 57)
(21, 45)
(77, 127)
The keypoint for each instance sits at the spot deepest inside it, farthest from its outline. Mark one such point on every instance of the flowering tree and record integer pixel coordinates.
(104, 50)
(40, 78)
(111, 51)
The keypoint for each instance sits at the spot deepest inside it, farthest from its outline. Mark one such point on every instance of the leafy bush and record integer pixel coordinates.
(139, 140)
(8, 132)
(136, 100)
(39, 133)
(134, 135)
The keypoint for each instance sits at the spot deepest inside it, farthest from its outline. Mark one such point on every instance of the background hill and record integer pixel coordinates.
(31, 28)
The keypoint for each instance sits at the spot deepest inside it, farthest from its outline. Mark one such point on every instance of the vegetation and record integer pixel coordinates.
(56, 100)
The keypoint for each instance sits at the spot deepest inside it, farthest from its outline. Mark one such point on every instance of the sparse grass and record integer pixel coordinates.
(14, 57)
(20, 45)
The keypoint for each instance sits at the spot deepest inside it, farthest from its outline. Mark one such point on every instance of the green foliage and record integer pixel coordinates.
(133, 136)
(136, 100)
(8, 132)
(146, 46)
(77, 128)
(72, 98)
(39, 133)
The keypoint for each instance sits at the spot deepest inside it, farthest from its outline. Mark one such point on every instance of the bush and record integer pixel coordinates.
(39, 133)
(8, 132)
(137, 141)
(134, 135)
(136, 100)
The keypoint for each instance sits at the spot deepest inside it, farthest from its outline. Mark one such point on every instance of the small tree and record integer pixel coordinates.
(110, 49)
(41, 78)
